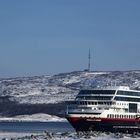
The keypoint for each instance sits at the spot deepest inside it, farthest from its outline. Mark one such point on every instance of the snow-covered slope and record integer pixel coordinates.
(62, 87)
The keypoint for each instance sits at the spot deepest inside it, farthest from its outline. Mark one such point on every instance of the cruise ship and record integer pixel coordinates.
(113, 109)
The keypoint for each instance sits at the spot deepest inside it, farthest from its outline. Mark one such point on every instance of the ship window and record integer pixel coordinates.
(120, 116)
(89, 103)
(112, 115)
(126, 110)
(108, 103)
(133, 107)
(108, 116)
(100, 103)
(115, 116)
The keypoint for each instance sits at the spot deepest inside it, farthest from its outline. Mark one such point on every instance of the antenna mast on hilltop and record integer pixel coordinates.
(89, 58)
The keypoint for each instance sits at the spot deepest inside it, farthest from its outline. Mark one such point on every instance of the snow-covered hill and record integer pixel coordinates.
(47, 94)
(62, 87)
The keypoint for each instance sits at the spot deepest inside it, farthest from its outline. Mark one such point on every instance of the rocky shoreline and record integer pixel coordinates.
(93, 135)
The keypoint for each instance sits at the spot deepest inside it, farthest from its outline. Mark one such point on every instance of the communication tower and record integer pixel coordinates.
(89, 58)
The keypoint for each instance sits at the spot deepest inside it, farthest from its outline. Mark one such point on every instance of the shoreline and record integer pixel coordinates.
(67, 136)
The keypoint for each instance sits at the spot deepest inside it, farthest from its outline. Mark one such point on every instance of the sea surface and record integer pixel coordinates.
(42, 131)
(35, 127)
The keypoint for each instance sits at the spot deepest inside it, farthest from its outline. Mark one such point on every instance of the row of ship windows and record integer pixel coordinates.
(95, 103)
(120, 116)
(128, 93)
(95, 97)
(120, 103)
(99, 103)
(130, 99)
(97, 92)
(117, 98)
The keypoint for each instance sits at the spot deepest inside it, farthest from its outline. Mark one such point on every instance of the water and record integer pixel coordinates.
(35, 126)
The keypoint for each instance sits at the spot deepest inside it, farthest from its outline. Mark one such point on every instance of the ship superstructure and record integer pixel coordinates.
(108, 109)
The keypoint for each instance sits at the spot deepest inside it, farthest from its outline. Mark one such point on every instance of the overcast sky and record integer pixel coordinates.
(39, 37)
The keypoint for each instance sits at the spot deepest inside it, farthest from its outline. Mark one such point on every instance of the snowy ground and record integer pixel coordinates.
(65, 136)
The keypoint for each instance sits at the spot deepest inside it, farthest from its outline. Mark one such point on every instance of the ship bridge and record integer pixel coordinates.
(95, 95)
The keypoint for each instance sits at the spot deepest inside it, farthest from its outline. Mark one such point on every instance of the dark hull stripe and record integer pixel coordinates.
(109, 119)
(105, 124)
(84, 113)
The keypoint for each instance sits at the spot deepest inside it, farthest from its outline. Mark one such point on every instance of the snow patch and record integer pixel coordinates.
(40, 117)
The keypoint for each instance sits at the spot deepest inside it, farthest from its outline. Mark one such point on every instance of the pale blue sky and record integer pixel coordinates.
(40, 37)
